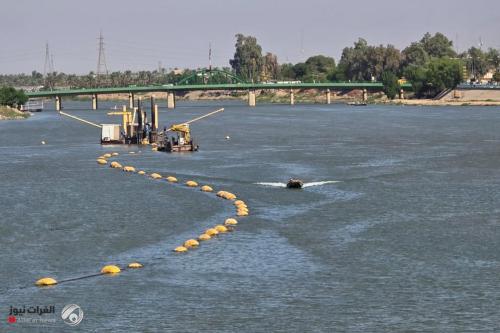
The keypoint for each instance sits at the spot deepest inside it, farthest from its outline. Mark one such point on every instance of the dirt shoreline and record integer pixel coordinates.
(8, 113)
(310, 96)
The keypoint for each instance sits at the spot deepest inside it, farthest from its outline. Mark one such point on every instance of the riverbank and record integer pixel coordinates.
(8, 113)
(304, 96)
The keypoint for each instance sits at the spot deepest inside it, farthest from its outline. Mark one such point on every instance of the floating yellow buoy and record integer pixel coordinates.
(110, 269)
(46, 282)
(230, 222)
(191, 243)
(239, 202)
(171, 179)
(245, 209)
(128, 169)
(220, 228)
(154, 149)
(180, 249)
(154, 144)
(101, 161)
(191, 183)
(131, 152)
(134, 265)
(43, 142)
(101, 158)
(206, 188)
(107, 155)
(114, 154)
(115, 165)
(204, 237)
(241, 206)
(155, 176)
(242, 213)
(212, 232)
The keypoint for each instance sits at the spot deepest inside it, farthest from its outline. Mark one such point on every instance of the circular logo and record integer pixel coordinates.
(72, 314)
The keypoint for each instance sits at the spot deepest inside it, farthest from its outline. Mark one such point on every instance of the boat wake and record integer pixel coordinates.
(305, 184)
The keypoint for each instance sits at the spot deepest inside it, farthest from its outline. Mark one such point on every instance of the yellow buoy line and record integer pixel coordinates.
(192, 243)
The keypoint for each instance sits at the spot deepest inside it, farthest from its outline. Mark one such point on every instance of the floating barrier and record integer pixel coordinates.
(102, 161)
(134, 265)
(110, 269)
(171, 179)
(191, 243)
(46, 282)
(155, 175)
(212, 232)
(221, 229)
(180, 249)
(206, 188)
(204, 237)
(116, 165)
(230, 222)
(128, 169)
(191, 183)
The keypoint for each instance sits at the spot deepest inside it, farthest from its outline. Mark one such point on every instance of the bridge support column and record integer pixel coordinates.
(170, 100)
(401, 94)
(58, 103)
(365, 95)
(328, 96)
(292, 97)
(131, 100)
(94, 102)
(251, 98)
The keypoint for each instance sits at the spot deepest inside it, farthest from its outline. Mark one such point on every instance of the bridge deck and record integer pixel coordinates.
(238, 86)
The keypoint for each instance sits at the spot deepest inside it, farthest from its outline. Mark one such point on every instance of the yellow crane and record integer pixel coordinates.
(183, 140)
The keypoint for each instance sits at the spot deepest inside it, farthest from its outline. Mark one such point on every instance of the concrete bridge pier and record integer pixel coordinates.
(170, 100)
(292, 97)
(58, 103)
(365, 95)
(94, 102)
(251, 98)
(131, 100)
(328, 96)
(401, 94)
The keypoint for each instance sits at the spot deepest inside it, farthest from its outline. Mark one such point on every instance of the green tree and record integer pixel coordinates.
(12, 97)
(391, 85)
(496, 76)
(414, 54)
(318, 68)
(270, 67)
(437, 75)
(247, 61)
(438, 45)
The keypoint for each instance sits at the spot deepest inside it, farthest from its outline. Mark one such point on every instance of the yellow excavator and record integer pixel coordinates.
(178, 138)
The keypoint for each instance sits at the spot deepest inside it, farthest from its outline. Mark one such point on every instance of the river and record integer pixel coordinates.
(406, 239)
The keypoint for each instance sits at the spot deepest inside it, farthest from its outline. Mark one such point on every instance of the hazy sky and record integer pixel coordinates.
(138, 34)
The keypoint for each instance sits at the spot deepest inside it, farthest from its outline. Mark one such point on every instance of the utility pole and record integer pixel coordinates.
(102, 68)
(210, 56)
(48, 67)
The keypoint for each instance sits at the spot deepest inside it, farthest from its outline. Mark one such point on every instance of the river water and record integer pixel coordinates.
(406, 240)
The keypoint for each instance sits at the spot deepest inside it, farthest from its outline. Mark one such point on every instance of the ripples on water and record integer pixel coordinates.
(406, 240)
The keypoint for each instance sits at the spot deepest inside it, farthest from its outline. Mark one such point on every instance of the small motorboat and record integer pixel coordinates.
(294, 183)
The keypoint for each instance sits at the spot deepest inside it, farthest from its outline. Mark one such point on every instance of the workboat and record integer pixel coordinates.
(294, 183)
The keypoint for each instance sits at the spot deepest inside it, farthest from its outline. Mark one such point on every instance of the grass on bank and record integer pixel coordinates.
(7, 112)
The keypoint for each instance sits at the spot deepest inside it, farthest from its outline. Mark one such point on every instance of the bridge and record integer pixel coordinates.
(170, 89)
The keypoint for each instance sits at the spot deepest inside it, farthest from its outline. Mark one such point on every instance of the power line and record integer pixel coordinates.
(102, 68)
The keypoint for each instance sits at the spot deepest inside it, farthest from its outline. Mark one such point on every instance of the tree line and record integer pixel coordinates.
(430, 64)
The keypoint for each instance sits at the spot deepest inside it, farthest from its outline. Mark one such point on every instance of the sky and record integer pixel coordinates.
(138, 35)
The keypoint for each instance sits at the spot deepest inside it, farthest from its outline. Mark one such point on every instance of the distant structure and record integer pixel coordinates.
(102, 68)
(48, 67)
